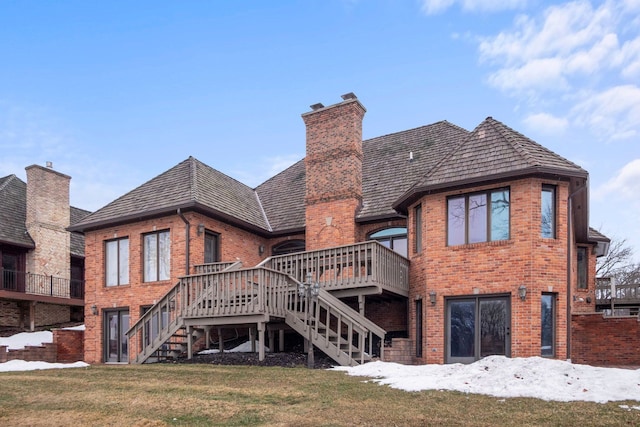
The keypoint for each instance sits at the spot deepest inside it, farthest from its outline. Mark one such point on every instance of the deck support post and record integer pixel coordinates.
(252, 339)
(220, 341)
(32, 316)
(207, 337)
(271, 338)
(281, 340)
(260, 341)
(361, 304)
(189, 342)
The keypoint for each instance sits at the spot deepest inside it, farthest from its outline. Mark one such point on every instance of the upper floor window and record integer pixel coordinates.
(157, 256)
(117, 262)
(211, 248)
(394, 238)
(583, 262)
(417, 232)
(478, 217)
(288, 247)
(548, 213)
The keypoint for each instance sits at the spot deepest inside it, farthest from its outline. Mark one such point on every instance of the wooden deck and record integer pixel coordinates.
(224, 294)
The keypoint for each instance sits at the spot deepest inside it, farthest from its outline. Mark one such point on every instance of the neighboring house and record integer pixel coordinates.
(42, 264)
(445, 245)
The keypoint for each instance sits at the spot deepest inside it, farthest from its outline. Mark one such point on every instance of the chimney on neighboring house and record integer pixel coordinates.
(333, 172)
(48, 216)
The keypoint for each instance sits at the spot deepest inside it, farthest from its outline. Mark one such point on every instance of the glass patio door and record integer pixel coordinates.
(477, 327)
(116, 343)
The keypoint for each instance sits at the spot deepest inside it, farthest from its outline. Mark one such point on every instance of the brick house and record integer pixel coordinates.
(430, 245)
(42, 264)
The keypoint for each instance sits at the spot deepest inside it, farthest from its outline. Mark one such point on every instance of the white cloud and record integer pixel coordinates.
(581, 57)
(546, 123)
(613, 114)
(432, 7)
(625, 184)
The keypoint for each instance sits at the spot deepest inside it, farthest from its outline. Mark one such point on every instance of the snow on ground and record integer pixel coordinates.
(21, 365)
(499, 376)
(242, 348)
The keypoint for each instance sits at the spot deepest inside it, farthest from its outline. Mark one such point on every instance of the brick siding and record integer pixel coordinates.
(602, 341)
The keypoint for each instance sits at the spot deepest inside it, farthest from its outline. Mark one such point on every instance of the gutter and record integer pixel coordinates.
(187, 239)
(569, 258)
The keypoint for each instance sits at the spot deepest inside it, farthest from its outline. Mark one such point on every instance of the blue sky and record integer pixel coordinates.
(115, 93)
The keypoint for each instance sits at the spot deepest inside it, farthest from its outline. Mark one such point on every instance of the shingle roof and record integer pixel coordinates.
(190, 184)
(13, 212)
(388, 172)
(442, 155)
(77, 239)
(491, 151)
(282, 198)
(596, 236)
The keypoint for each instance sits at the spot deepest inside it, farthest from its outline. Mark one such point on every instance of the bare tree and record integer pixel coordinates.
(619, 263)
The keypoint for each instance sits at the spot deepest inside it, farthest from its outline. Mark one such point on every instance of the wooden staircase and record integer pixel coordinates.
(224, 294)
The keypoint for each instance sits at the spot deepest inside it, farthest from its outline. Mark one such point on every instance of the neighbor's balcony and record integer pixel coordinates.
(40, 284)
(608, 293)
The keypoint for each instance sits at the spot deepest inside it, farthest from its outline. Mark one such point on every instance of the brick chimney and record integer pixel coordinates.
(333, 172)
(48, 216)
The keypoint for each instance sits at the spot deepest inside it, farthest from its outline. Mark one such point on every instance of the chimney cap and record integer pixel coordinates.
(317, 106)
(348, 96)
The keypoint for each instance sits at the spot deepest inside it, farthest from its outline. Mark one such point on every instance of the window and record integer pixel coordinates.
(418, 328)
(548, 213)
(211, 248)
(288, 247)
(417, 229)
(394, 238)
(157, 256)
(117, 262)
(478, 217)
(548, 325)
(582, 267)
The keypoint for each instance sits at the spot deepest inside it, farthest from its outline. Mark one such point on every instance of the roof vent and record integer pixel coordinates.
(49, 165)
(317, 106)
(349, 95)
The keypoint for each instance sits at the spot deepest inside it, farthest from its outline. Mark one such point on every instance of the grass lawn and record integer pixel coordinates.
(187, 395)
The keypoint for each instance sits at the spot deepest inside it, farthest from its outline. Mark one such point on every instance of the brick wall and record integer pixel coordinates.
(69, 345)
(52, 314)
(9, 314)
(234, 244)
(44, 353)
(492, 268)
(401, 351)
(601, 341)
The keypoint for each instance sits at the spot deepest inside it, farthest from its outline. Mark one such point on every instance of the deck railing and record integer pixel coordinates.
(608, 291)
(351, 266)
(40, 284)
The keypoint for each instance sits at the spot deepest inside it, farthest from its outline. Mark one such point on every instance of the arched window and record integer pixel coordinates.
(288, 247)
(394, 238)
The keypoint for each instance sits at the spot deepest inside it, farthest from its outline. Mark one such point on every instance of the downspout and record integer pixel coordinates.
(187, 239)
(569, 258)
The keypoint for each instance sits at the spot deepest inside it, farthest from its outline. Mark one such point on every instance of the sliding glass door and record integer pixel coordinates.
(478, 327)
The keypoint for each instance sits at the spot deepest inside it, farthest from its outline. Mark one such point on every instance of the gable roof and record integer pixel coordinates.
(189, 185)
(493, 151)
(13, 212)
(13, 216)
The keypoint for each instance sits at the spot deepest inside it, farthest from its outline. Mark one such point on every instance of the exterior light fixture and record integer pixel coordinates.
(522, 292)
(309, 291)
(260, 249)
(200, 229)
(94, 310)
(432, 297)
(172, 304)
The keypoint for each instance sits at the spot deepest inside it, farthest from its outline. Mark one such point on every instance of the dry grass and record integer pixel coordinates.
(186, 395)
